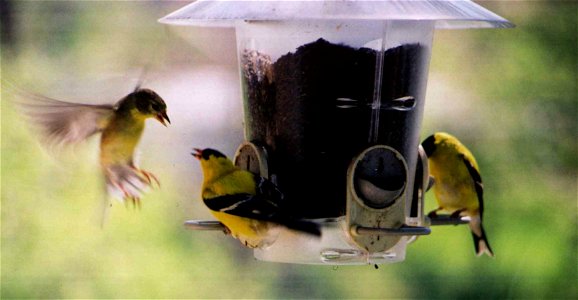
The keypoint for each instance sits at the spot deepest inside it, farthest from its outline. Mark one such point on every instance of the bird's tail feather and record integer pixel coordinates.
(480, 240)
(481, 243)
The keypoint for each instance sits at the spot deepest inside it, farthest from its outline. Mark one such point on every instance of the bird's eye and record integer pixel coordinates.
(156, 107)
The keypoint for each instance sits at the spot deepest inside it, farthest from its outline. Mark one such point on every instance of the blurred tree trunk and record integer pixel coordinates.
(7, 37)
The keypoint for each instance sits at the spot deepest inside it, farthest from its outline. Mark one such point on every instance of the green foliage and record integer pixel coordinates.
(517, 89)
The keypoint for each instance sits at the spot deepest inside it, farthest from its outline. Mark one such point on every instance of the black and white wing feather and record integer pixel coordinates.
(478, 184)
(263, 206)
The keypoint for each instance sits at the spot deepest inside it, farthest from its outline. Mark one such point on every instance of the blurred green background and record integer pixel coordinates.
(510, 95)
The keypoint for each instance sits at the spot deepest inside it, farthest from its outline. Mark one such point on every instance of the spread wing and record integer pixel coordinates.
(61, 122)
(477, 182)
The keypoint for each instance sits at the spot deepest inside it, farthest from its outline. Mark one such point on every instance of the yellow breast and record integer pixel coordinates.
(454, 187)
(119, 140)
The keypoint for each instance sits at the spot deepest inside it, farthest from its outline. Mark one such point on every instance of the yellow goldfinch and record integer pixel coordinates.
(246, 204)
(457, 184)
(121, 126)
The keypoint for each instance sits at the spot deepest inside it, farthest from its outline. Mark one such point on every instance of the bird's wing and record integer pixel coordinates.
(477, 182)
(268, 190)
(264, 206)
(244, 205)
(63, 122)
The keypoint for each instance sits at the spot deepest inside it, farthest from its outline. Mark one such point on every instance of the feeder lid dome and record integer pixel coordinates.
(446, 13)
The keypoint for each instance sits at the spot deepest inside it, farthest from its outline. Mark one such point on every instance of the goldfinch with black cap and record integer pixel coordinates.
(246, 204)
(457, 184)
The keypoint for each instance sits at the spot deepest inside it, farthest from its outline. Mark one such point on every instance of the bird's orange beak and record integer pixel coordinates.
(197, 153)
(162, 117)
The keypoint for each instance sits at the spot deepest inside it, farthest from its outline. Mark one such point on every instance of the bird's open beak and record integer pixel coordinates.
(162, 117)
(197, 153)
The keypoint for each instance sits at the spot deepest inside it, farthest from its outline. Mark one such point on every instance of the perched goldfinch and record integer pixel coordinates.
(121, 126)
(457, 184)
(246, 204)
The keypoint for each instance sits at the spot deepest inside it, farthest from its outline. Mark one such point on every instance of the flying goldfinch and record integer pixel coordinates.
(457, 184)
(121, 126)
(246, 204)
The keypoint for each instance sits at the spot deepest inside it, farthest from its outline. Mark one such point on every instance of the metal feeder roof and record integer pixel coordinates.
(453, 14)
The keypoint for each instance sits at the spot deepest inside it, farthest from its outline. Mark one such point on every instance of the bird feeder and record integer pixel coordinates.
(334, 94)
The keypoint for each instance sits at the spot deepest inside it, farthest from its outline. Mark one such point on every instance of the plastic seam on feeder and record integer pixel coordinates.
(415, 215)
